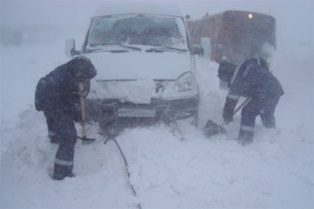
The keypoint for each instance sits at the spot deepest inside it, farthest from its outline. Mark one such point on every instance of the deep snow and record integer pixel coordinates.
(275, 171)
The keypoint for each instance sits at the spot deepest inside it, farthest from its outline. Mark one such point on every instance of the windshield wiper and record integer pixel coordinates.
(110, 50)
(98, 48)
(129, 47)
(165, 48)
(124, 46)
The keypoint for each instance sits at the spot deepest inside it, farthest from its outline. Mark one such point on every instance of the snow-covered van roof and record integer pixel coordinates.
(127, 7)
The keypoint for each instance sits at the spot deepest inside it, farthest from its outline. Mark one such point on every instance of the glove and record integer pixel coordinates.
(77, 117)
(228, 110)
(76, 113)
(227, 116)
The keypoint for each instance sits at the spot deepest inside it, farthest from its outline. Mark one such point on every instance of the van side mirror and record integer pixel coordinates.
(70, 48)
(197, 50)
(205, 43)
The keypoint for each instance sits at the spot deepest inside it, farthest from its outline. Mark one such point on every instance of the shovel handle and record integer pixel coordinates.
(242, 105)
(237, 109)
(82, 107)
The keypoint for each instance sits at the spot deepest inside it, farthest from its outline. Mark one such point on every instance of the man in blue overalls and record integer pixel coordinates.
(57, 95)
(253, 79)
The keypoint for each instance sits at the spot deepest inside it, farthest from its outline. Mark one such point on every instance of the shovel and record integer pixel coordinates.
(84, 138)
(211, 128)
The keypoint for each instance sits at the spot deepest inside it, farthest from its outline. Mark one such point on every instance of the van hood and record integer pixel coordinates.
(140, 65)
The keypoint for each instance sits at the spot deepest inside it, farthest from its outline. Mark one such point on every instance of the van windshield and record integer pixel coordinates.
(137, 29)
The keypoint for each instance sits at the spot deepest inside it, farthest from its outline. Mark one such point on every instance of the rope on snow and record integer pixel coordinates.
(126, 167)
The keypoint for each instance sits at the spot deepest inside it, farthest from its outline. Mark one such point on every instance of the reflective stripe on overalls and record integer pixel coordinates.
(233, 96)
(247, 128)
(63, 162)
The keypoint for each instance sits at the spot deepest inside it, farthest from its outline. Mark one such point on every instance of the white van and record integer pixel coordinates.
(145, 66)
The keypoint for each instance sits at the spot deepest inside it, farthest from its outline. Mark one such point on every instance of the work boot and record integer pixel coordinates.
(61, 171)
(245, 137)
(268, 121)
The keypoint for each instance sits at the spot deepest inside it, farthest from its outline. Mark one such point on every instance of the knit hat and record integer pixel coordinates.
(83, 68)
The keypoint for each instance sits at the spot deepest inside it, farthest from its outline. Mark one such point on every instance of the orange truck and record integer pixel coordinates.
(235, 35)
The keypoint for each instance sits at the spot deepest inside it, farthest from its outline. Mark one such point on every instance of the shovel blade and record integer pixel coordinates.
(86, 140)
(211, 128)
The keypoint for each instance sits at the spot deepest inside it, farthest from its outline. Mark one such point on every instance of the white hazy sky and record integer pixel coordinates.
(295, 18)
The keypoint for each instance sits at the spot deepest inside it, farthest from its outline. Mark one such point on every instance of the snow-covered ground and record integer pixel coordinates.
(275, 171)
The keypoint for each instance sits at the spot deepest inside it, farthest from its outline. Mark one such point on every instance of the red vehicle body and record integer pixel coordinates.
(236, 35)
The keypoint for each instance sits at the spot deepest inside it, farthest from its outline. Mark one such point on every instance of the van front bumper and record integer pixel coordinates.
(108, 109)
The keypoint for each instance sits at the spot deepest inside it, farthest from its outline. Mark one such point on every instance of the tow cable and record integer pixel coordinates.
(126, 167)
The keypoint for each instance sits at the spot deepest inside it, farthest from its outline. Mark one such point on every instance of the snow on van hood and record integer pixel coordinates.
(130, 76)
(140, 65)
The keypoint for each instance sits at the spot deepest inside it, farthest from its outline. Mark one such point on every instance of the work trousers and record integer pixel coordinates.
(63, 128)
(265, 107)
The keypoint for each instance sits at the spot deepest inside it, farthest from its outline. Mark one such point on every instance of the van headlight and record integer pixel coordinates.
(185, 86)
(185, 82)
